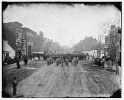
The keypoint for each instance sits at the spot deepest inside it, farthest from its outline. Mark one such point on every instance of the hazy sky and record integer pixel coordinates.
(62, 23)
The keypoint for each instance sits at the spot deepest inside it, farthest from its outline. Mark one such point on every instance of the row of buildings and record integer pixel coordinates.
(19, 40)
(112, 46)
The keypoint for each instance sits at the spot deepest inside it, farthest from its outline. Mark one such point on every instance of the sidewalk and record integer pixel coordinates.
(13, 66)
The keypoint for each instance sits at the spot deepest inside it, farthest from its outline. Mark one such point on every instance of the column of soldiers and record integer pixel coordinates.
(61, 60)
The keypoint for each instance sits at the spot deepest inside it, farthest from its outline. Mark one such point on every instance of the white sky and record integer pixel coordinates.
(64, 24)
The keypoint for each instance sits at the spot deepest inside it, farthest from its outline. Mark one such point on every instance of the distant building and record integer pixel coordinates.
(38, 42)
(41, 34)
(91, 53)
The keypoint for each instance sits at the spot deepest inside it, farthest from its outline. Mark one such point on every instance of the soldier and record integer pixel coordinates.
(17, 62)
(74, 61)
(52, 60)
(62, 62)
(48, 61)
(69, 58)
(77, 59)
(66, 61)
(57, 61)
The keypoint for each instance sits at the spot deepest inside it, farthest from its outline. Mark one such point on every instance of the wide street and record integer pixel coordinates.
(39, 80)
(61, 49)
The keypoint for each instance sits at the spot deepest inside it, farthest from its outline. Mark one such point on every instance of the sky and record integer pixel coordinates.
(65, 24)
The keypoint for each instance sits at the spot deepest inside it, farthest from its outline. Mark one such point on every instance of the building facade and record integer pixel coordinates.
(28, 36)
(113, 43)
(91, 53)
(12, 33)
(19, 39)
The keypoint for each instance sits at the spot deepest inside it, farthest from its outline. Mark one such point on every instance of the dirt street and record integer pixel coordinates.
(80, 81)
(21, 74)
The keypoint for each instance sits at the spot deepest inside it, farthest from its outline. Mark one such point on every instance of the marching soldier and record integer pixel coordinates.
(66, 61)
(77, 59)
(74, 62)
(51, 60)
(48, 61)
(62, 62)
(58, 61)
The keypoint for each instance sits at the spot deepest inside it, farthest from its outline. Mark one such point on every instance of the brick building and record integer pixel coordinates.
(21, 40)
(12, 33)
(28, 36)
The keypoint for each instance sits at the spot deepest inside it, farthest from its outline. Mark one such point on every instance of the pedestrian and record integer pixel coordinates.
(117, 68)
(25, 59)
(17, 62)
(48, 61)
(30, 57)
(14, 84)
(38, 56)
(102, 62)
